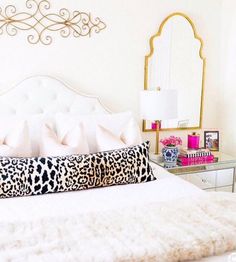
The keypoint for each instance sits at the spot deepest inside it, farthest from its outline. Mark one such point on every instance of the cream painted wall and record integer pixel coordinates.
(228, 77)
(111, 64)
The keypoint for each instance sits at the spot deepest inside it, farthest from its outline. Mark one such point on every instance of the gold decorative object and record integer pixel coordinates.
(40, 22)
(149, 56)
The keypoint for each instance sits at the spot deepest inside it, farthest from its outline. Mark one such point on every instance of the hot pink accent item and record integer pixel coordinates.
(187, 161)
(193, 141)
(154, 126)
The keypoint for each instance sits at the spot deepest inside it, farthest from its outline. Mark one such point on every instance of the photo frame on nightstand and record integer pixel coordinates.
(212, 140)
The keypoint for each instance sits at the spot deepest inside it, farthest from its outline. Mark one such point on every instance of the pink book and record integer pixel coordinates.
(186, 161)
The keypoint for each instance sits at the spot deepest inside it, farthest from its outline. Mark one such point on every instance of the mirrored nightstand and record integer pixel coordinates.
(217, 176)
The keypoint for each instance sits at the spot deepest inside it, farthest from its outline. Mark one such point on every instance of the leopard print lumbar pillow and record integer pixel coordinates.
(41, 175)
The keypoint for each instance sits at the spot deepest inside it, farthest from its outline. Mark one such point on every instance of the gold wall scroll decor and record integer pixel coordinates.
(40, 22)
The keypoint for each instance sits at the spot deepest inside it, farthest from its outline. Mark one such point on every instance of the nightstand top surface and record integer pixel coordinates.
(222, 161)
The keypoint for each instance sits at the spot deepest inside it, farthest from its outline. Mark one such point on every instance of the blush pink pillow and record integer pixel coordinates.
(107, 140)
(74, 142)
(16, 143)
(131, 134)
(113, 122)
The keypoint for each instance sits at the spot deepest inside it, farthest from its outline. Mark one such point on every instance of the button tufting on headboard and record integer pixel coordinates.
(44, 94)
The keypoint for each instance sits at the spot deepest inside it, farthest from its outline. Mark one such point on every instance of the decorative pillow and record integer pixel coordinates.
(129, 136)
(16, 143)
(35, 176)
(34, 123)
(116, 123)
(74, 142)
(106, 140)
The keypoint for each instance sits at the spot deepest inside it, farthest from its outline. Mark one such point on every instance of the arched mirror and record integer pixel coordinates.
(176, 62)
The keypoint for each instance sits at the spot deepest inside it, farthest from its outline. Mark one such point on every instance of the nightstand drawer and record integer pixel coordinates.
(221, 189)
(203, 180)
(224, 177)
(225, 189)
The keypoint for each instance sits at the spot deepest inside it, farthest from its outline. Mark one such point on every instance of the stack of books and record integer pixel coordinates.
(195, 157)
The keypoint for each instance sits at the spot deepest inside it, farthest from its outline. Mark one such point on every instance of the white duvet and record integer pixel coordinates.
(164, 220)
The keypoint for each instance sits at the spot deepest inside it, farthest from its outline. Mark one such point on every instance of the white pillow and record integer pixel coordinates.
(34, 123)
(15, 143)
(115, 123)
(130, 136)
(74, 142)
(106, 140)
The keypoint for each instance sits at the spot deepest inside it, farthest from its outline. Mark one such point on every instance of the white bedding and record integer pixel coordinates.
(167, 188)
(29, 98)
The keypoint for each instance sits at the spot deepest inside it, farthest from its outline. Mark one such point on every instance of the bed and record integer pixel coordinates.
(135, 222)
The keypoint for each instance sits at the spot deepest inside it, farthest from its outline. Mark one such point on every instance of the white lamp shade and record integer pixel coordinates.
(159, 105)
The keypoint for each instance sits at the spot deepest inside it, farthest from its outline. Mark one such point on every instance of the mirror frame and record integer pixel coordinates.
(147, 57)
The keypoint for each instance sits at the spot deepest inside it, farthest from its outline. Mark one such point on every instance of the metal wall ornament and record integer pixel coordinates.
(40, 22)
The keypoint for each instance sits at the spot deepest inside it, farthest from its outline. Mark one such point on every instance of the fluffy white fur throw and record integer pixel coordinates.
(174, 231)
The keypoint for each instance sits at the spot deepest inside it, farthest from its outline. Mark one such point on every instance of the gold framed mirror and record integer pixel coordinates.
(175, 61)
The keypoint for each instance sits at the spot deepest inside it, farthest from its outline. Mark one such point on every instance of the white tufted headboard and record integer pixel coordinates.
(45, 94)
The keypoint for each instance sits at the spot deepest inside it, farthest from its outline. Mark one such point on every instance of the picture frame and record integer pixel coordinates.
(212, 140)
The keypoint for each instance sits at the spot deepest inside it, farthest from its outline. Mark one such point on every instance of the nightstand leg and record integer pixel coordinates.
(234, 180)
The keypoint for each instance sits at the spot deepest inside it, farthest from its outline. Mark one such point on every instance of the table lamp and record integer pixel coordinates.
(158, 105)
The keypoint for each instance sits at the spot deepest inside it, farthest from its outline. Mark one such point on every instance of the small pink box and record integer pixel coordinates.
(193, 141)
(154, 126)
